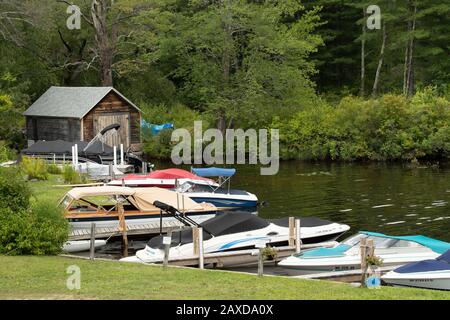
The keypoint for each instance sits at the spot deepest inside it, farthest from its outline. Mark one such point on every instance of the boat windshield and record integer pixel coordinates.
(379, 242)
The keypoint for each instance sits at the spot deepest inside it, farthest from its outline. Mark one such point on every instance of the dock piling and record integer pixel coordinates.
(298, 239)
(200, 249)
(92, 247)
(291, 231)
(167, 240)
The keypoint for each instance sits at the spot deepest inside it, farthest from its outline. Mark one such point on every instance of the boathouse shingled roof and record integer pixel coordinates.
(70, 102)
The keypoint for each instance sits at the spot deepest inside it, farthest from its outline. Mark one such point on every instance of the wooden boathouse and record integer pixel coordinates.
(79, 113)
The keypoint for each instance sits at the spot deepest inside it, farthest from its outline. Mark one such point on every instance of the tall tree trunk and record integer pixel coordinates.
(363, 56)
(105, 42)
(226, 61)
(410, 84)
(380, 63)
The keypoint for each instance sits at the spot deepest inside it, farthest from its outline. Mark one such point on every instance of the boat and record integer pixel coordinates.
(218, 195)
(427, 274)
(102, 205)
(95, 151)
(168, 178)
(234, 231)
(393, 250)
(82, 245)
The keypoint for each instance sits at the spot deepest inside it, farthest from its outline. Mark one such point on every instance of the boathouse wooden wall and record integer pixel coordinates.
(113, 104)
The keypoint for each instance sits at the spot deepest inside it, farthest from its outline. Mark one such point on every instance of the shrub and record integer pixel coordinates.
(71, 176)
(14, 191)
(53, 169)
(39, 230)
(34, 168)
(6, 153)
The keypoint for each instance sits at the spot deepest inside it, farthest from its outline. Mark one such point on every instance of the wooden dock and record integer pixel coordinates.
(133, 229)
(242, 257)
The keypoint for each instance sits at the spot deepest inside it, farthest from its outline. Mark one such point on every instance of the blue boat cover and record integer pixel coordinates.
(214, 172)
(435, 245)
(337, 251)
(440, 264)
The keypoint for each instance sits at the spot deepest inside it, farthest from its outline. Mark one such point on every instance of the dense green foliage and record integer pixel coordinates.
(28, 227)
(14, 191)
(388, 128)
(235, 64)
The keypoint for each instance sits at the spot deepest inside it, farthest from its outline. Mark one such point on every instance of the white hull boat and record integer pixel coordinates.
(393, 250)
(427, 274)
(234, 231)
(82, 245)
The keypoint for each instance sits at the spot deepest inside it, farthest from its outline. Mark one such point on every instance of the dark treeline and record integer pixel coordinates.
(235, 63)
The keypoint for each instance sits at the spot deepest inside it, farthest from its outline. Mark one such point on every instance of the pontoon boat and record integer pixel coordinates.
(101, 205)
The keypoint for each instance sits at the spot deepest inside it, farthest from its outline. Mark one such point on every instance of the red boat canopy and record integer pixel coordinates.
(167, 174)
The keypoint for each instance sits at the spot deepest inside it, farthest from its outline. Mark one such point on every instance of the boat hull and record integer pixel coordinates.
(221, 202)
(438, 280)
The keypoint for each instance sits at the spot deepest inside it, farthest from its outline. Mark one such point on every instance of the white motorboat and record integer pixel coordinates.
(233, 231)
(220, 195)
(81, 245)
(427, 274)
(393, 250)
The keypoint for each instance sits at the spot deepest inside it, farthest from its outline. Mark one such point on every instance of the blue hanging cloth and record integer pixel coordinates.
(154, 129)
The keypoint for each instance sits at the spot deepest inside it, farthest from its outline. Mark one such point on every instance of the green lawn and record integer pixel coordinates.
(45, 278)
(46, 190)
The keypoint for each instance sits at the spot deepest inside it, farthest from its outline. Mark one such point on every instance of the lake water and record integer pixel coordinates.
(389, 198)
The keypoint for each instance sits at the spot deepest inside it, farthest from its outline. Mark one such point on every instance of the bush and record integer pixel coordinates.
(28, 229)
(6, 154)
(53, 169)
(40, 230)
(14, 191)
(71, 176)
(34, 168)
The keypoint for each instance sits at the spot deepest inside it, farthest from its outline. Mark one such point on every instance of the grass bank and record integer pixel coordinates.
(45, 278)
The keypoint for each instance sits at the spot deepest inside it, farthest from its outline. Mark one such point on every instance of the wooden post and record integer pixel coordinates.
(298, 238)
(92, 251)
(167, 241)
(363, 251)
(291, 231)
(73, 156)
(200, 249)
(54, 158)
(123, 228)
(64, 159)
(261, 262)
(195, 241)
